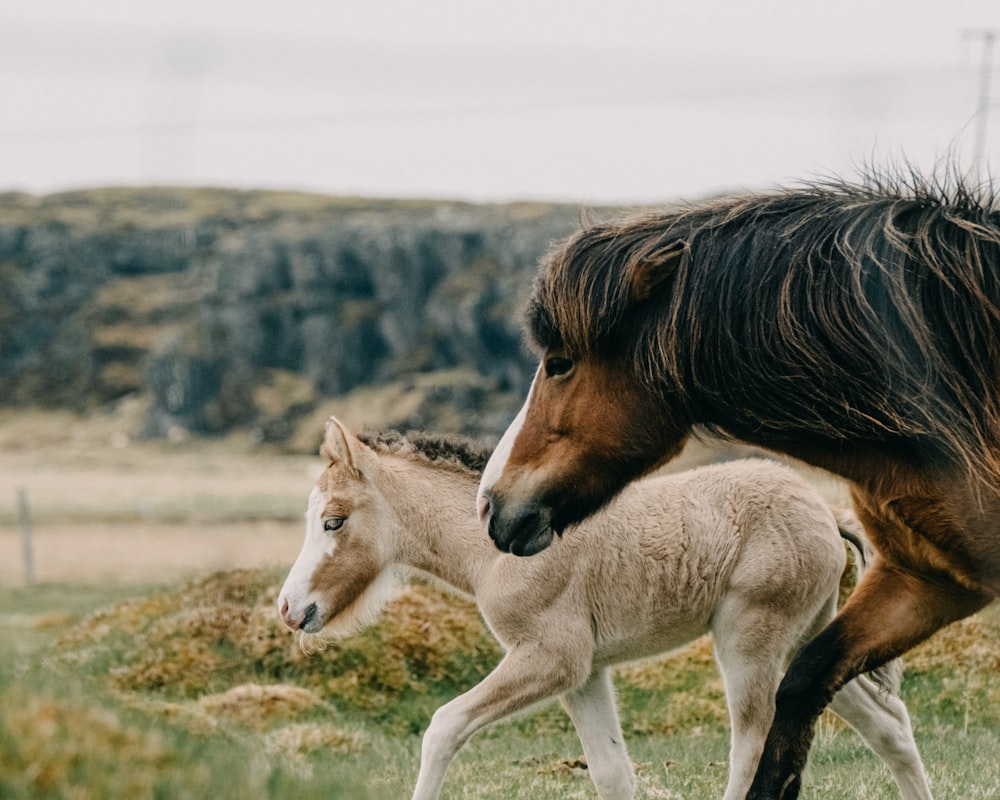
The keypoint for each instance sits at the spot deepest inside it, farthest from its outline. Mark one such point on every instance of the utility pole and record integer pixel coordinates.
(988, 38)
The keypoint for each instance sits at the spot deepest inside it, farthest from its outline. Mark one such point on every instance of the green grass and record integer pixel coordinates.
(196, 691)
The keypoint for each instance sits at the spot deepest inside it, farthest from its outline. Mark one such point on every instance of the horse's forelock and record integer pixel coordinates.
(824, 276)
(539, 328)
(583, 293)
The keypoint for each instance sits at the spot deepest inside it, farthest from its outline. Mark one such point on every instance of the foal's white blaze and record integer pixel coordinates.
(295, 596)
(498, 460)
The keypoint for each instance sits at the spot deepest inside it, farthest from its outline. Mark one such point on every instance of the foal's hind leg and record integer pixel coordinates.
(891, 611)
(752, 640)
(881, 719)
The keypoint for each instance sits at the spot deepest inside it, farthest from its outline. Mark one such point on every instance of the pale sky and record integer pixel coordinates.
(630, 101)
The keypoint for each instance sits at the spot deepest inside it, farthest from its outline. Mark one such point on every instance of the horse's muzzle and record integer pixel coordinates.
(522, 529)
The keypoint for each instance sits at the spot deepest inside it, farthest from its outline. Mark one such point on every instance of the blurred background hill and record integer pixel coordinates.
(212, 311)
(209, 311)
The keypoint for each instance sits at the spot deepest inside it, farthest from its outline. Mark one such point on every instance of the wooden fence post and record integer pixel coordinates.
(27, 545)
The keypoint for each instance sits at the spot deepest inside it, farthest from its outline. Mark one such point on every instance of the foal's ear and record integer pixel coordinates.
(651, 269)
(340, 445)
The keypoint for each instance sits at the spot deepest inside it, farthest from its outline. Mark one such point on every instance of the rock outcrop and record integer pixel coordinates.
(246, 309)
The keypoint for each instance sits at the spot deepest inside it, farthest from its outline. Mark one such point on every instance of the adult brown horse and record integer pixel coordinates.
(856, 328)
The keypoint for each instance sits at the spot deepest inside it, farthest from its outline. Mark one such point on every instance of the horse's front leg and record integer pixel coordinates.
(527, 674)
(890, 611)
(595, 716)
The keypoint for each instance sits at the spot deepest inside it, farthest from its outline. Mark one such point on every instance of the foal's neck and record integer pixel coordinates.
(440, 533)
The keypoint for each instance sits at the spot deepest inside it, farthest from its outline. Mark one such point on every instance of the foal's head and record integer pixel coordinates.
(592, 421)
(342, 576)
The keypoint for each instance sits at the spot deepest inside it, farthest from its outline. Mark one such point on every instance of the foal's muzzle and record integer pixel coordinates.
(522, 529)
(307, 621)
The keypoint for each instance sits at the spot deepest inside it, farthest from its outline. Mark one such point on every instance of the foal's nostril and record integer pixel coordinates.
(309, 616)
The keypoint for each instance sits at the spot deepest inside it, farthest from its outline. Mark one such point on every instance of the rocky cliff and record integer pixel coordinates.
(247, 310)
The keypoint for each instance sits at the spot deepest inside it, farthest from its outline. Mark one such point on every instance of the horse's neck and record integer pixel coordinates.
(440, 532)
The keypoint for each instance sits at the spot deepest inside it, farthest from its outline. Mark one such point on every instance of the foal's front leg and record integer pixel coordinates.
(890, 611)
(526, 675)
(595, 716)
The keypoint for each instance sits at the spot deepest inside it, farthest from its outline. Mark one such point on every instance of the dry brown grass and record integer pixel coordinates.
(223, 631)
(969, 644)
(217, 643)
(109, 508)
(55, 737)
(303, 738)
(258, 706)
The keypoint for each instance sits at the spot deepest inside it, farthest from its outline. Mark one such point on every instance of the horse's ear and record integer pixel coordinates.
(340, 445)
(653, 268)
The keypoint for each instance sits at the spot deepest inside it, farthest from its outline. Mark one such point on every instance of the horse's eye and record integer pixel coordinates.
(557, 365)
(333, 523)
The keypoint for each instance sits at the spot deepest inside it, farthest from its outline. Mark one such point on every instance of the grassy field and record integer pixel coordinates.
(148, 660)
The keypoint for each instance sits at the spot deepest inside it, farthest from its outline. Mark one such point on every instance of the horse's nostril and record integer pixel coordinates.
(283, 608)
(522, 529)
(492, 528)
(309, 616)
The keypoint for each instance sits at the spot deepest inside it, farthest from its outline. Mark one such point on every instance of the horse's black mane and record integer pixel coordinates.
(842, 311)
(439, 448)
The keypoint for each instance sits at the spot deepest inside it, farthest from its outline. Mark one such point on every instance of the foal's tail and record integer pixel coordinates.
(889, 676)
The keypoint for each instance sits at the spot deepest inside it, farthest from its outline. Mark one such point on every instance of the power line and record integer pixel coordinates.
(713, 92)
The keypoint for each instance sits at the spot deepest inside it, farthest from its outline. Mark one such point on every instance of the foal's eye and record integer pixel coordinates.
(333, 523)
(557, 365)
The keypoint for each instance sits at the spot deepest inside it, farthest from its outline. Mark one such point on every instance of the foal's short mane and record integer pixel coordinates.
(439, 448)
(866, 312)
